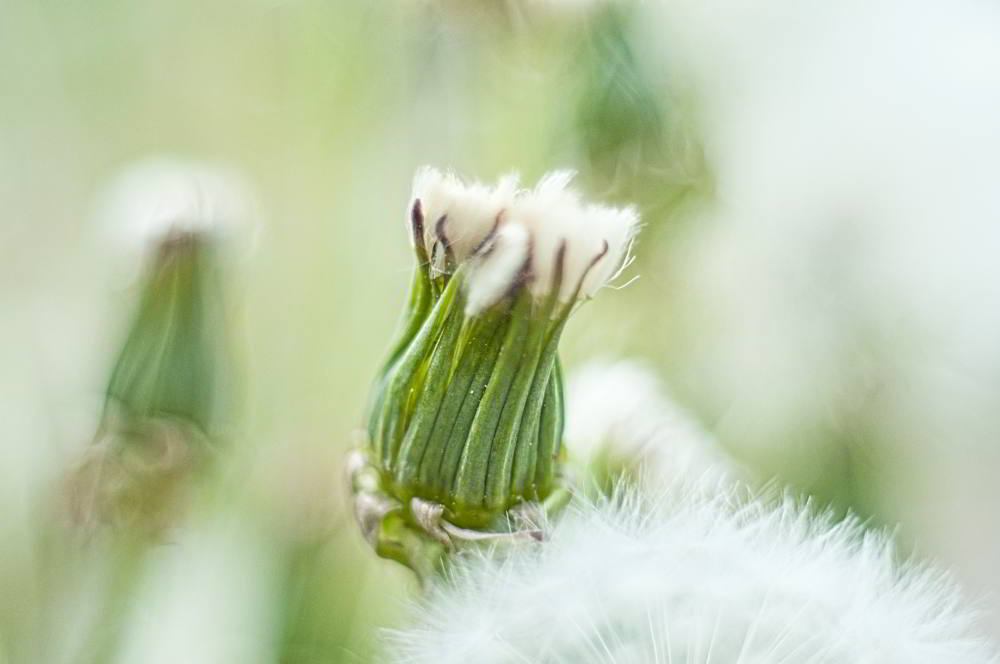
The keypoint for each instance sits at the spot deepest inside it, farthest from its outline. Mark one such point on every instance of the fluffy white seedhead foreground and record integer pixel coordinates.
(694, 580)
(619, 410)
(157, 196)
(571, 245)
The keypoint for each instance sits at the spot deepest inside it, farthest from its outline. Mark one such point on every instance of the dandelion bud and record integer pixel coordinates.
(168, 383)
(467, 413)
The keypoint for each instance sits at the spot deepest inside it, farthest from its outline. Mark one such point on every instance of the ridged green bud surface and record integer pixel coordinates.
(469, 414)
(466, 416)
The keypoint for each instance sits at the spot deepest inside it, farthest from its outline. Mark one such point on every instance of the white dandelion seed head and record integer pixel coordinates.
(695, 579)
(158, 196)
(620, 408)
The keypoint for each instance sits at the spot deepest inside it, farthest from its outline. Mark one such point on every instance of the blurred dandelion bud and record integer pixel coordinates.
(707, 579)
(621, 421)
(466, 418)
(170, 381)
(620, 119)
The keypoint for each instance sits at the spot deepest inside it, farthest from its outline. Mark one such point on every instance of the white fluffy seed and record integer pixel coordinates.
(694, 579)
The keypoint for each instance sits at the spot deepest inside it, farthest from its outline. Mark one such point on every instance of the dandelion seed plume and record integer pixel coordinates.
(694, 580)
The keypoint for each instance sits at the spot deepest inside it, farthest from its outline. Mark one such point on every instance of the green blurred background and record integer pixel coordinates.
(773, 293)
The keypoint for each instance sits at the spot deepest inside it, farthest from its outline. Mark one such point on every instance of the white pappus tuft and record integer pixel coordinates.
(157, 196)
(620, 410)
(597, 238)
(458, 217)
(498, 265)
(571, 245)
(695, 579)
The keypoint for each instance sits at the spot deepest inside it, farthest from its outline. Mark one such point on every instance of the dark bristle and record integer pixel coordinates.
(524, 275)
(417, 222)
(443, 239)
(557, 276)
(598, 257)
(594, 261)
(486, 240)
(439, 230)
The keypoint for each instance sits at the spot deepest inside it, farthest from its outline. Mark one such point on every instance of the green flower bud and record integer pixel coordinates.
(169, 383)
(467, 412)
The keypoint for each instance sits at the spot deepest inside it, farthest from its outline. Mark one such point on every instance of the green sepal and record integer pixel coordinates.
(417, 307)
(522, 482)
(551, 428)
(467, 398)
(469, 489)
(429, 402)
(517, 416)
(403, 382)
(399, 540)
(476, 348)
